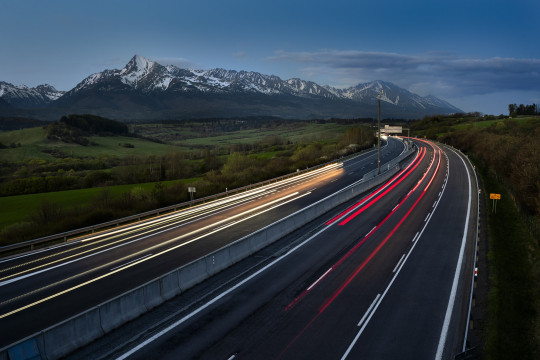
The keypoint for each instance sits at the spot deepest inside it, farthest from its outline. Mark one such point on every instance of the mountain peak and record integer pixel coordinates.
(140, 61)
(46, 87)
(136, 68)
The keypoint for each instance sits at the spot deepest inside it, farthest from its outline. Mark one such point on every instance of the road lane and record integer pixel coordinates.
(422, 290)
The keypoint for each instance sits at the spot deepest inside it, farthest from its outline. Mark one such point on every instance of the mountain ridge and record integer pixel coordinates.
(23, 96)
(145, 89)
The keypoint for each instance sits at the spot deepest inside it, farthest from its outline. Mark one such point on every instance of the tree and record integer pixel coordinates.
(512, 109)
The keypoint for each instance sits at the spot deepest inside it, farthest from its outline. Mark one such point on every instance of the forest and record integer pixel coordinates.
(516, 110)
(508, 146)
(75, 128)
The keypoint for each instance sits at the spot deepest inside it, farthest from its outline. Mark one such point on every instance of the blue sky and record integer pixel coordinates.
(479, 55)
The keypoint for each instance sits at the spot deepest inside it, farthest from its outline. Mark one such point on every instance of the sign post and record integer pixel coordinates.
(191, 191)
(494, 197)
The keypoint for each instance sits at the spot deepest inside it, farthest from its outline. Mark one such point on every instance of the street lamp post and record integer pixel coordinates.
(379, 132)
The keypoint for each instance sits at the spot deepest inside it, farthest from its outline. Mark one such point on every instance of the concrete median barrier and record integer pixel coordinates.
(152, 294)
(192, 274)
(63, 338)
(120, 310)
(169, 285)
(257, 241)
(217, 261)
(239, 249)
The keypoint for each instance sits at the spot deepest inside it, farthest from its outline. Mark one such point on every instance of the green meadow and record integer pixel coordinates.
(35, 145)
(18, 208)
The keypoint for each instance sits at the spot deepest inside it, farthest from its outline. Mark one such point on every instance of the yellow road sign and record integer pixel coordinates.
(495, 196)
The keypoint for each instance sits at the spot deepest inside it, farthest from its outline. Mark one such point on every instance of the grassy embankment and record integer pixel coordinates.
(17, 208)
(513, 330)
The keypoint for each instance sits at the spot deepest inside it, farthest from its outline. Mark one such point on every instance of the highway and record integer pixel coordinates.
(42, 288)
(389, 277)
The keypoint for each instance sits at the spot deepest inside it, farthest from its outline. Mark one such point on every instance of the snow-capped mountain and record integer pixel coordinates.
(26, 97)
(368, 93)
(145, 89)
(149, 77)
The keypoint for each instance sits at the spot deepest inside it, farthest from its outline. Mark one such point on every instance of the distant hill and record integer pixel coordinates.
(76, 128)
(145, 90)
(8, 123)
(94, 125)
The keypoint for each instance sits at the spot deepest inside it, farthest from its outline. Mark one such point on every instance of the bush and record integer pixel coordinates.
(18, 232)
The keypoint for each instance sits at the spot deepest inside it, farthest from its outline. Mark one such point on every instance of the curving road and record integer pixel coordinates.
(389, 277)
(42, 288)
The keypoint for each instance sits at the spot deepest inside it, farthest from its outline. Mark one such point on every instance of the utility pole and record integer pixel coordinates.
(379, 133)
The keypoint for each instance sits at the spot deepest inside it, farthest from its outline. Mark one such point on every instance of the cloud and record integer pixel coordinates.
(240, 55)
(438, 73)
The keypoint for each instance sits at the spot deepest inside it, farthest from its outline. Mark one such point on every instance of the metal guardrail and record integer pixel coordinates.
(89, 230)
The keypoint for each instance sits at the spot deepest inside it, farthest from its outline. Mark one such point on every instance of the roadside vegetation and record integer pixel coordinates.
(506, 152)
(507, 146)
(513, 330)
(84, 170)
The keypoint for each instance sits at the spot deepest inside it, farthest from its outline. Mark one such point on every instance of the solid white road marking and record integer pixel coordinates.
(452, 299)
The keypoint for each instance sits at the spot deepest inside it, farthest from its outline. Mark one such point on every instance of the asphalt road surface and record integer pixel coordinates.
(388, 278)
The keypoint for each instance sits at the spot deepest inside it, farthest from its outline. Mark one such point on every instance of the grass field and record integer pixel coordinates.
(34, 140)
(293, 132)
(16, 208)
